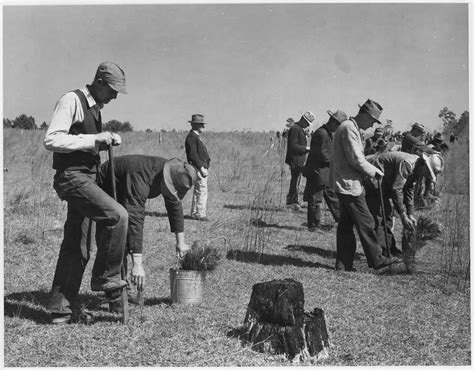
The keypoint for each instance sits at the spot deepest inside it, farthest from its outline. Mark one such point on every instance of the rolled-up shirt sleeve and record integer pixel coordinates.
(68, 110)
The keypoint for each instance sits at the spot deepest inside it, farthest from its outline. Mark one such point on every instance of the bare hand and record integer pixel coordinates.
(182, 249)
(204, 172)
(378, 174)
(108, 138)
(138, 275)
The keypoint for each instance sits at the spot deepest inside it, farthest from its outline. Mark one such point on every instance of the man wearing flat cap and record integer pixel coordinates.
(75, 136)
(347, 172)
(142, 177)
(197, 155)
(316, 171)
(297, 148)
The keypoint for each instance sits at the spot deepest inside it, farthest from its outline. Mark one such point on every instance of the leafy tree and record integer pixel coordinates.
(117, 126)
(148, 130)
(447, 116)
(43, 126)
(7, 123)
(463, 122)
(24, 122)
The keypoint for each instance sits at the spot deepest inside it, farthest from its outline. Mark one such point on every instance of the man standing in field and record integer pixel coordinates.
(297, 148)
(316, 171)
(347, 171)
(142, 177)
(197, 155)
(75, 137)
(412, 143)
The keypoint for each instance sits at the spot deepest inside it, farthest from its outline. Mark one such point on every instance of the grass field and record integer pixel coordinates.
(374, 318)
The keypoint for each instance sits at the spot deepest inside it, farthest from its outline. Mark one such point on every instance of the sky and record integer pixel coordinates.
(243, 66)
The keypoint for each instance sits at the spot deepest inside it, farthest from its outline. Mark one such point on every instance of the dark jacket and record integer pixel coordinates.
(320, 153)
(296, 150)
(138, 178)
(196, 152)
(413, 145)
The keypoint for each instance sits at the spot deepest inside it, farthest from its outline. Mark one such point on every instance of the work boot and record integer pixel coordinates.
(98, 285)
(80, 316)
(387, 262)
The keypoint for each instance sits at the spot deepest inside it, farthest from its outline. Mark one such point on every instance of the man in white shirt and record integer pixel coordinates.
(347, 171)
(75, 137)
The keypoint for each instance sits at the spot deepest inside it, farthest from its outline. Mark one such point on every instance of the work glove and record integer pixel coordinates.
(204, 172)
(138, 272)
(412, 218)
(407, 222)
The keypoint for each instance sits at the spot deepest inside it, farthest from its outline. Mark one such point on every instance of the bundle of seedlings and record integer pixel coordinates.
(201, 257)
(413, 240)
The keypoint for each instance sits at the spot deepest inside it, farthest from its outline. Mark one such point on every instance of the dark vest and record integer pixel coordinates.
(81, 160)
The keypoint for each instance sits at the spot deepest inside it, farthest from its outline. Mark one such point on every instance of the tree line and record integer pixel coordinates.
(26, 122)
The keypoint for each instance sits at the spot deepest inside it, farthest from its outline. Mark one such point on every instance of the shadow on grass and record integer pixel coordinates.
(32, 305)
(242, 207)
(272, 260)
(164, 214)
(319, 251)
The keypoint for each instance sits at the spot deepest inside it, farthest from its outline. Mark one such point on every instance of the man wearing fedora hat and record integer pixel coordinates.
(401, 173)
(75, 137)
(347, 171)
(142, 177)
(316, 171)
(371, 142)
(197, 155)
(296, 154)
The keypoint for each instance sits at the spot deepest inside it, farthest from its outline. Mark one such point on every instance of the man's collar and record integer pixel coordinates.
(196, 132)
(90, 99)
(355, 122)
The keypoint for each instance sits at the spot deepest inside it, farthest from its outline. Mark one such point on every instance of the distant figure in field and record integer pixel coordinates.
(197, 155)
(436, 141)
(316, 171)
(372, 141)
(139, 178)
(296, 154)
(452, 138)
(347, 172)
(75, 137)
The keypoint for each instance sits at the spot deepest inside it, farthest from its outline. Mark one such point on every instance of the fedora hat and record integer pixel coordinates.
(308, 116)
(435, 164)
(178, 177)
(373, 108)
(418, 126)
(339, 115)
(197, 118)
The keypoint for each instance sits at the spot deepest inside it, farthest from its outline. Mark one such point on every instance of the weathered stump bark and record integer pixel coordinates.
(276, 322)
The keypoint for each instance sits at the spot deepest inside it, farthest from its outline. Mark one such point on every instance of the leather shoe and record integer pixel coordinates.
(387, 262)
(98, 286)
(197, 218)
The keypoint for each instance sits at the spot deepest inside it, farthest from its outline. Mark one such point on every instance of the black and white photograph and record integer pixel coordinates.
(236, 184)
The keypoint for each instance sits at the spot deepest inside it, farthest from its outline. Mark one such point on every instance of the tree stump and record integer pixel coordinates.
(276, 322)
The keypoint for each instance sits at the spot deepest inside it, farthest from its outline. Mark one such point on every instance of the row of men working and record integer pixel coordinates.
(338, 171)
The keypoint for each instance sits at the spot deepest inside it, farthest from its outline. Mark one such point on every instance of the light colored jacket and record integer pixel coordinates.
(349, 166)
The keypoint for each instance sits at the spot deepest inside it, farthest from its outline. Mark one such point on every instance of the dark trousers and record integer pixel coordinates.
(314, 197)
(373, 202)
(354, 212)
(86, 199)
(292, 197)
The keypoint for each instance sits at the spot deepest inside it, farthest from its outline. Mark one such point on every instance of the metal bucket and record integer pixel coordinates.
(187, 286)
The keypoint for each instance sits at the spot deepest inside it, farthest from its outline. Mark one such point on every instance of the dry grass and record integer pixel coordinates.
(383, 318)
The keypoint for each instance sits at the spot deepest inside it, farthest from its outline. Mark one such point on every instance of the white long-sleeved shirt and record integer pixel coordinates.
(68, 110)
(349, 165)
